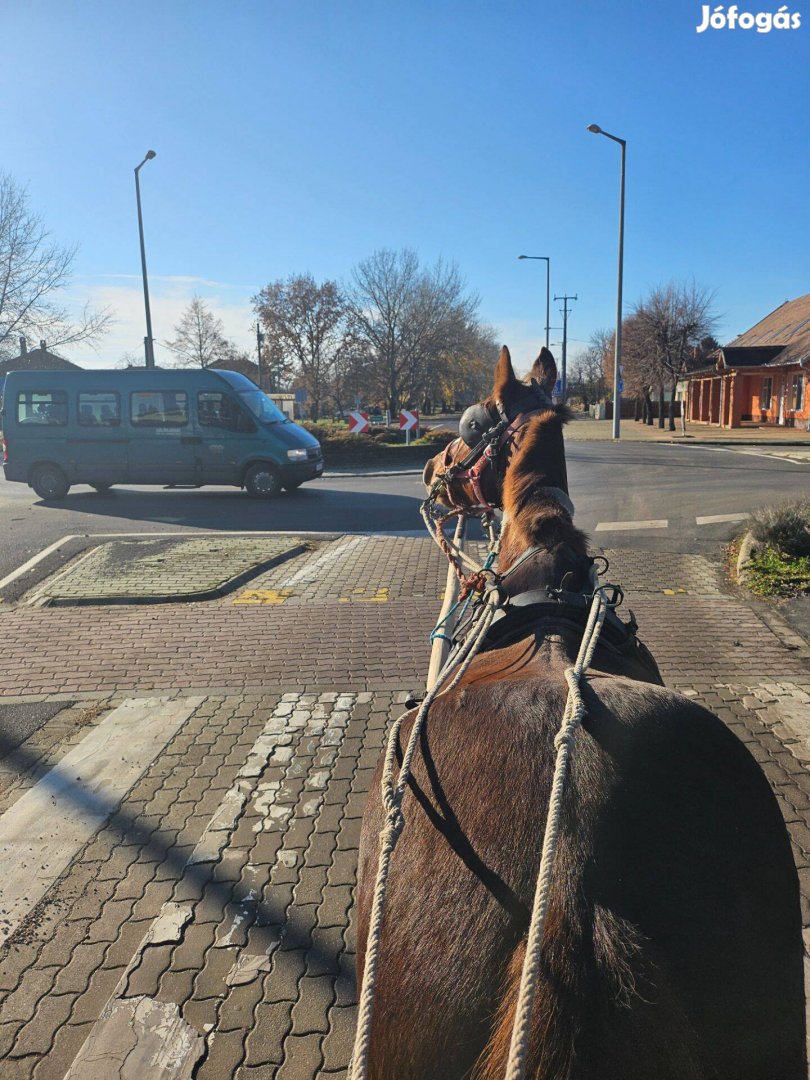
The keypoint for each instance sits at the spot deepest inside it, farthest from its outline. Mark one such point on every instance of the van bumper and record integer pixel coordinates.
(15, 472)
(300, 472)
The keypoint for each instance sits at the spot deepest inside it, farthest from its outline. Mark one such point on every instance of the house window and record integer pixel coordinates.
(765, 397)
(47, 407)
(158, 408)
(797, 393)
(99, 410)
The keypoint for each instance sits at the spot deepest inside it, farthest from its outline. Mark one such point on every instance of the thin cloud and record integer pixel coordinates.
(168, 298)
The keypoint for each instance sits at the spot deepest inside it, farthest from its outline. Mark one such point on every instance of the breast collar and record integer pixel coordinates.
(484, 454)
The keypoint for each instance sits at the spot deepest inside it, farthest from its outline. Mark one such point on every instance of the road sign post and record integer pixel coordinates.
(408, 420)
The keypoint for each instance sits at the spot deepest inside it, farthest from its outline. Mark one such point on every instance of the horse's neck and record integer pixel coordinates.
(557, 556)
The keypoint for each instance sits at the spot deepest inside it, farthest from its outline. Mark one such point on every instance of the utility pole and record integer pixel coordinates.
(259, 343)
(565, 311)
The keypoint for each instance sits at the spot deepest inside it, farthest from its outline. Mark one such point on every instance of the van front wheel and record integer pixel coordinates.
(262, 481)
(49, 482)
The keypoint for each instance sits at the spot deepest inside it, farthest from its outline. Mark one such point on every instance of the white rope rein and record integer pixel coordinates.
(393, 790)
(393, 787)
(564, 741)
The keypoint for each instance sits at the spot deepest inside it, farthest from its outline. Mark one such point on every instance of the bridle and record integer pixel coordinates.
(491, 450)
(492, 447)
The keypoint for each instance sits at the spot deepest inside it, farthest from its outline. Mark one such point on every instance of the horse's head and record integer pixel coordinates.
(473, 465)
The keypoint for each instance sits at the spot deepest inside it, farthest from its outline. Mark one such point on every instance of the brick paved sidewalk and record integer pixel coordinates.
(634, 431)
(217, 903)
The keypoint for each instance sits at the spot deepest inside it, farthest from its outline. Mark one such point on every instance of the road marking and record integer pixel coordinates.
(7, 580)
(115, 1037)
(714, 519)
(358, 595)
(43, 830)
(752, 453)
(620, 526)
(263, 596)
(306, 575)
(309, 572)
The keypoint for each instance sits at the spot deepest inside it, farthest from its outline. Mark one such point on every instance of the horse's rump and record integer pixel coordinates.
(671, 942)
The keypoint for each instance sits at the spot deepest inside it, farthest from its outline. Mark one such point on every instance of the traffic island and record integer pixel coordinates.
(164, 570)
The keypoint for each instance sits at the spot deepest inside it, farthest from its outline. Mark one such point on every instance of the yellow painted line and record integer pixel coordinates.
(263, 596)
(673, 592)
(380, 596)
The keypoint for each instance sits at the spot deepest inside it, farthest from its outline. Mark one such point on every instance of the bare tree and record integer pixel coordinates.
(407, 320)
(305, 331)
(588, 369)
(33, 270)
(672, 321)
(199, 337)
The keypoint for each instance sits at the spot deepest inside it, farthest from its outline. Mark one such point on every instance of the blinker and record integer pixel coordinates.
(474, 424)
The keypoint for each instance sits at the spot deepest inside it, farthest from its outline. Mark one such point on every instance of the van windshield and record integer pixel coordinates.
(262, 407)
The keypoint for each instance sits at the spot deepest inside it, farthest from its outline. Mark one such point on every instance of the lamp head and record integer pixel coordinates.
(523, 256)
(595, 129)
(150, 154)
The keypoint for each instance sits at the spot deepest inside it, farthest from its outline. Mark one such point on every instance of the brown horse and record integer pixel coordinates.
(672, 946)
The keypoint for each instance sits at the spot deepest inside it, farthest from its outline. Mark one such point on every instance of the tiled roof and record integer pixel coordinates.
(37, 360)
(788, 326)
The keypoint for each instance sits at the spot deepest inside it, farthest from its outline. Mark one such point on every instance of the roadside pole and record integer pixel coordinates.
(440, 649)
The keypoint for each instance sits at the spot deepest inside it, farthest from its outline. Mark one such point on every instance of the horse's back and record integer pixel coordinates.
(673, 942)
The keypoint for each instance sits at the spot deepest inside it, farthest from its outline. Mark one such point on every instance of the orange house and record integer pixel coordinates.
(761, 376)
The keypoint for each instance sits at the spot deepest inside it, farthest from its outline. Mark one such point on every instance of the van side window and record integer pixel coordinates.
(218, 410)
(158, 408)
(99, 409)
(42, 407)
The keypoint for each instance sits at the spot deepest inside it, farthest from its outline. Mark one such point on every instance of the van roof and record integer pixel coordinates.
(101, 376)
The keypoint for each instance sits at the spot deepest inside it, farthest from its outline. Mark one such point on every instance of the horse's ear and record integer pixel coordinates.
(505, 379)
(544, 371)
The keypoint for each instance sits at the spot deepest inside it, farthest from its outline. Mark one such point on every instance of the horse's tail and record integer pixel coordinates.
(551, 1050)
(613, 1019)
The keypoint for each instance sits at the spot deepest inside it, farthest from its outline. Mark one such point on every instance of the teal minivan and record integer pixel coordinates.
(150, 426)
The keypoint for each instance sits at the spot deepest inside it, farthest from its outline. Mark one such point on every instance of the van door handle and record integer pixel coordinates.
(190, 440)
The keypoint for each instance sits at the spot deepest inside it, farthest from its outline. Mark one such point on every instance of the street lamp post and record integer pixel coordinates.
(148, 343)
(547, 260)
(617, 357)
(259, 343)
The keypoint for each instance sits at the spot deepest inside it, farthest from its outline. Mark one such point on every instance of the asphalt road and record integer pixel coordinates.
(628, 483)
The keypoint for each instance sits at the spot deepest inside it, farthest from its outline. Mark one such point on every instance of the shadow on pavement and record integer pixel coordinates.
(312, 510)
(211, 879)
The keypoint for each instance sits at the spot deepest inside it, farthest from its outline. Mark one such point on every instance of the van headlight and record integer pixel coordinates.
(297, 455)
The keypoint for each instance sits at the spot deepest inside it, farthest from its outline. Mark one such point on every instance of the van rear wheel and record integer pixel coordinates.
(262, 481)
(49, 481)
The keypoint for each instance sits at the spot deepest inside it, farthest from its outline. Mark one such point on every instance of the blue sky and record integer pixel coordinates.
(302, 135)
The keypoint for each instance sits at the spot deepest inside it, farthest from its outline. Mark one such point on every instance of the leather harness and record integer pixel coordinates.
(482, 455)
(519, 617)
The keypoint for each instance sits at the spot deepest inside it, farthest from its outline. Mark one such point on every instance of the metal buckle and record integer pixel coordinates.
(616, 595)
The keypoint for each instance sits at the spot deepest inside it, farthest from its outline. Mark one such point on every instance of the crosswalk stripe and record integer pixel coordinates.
(142, 1030)
(46, 827)
(714, 519)
(620, 526)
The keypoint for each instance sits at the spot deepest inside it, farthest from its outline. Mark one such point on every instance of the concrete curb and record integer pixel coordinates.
(40, 599)
(748, 548)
